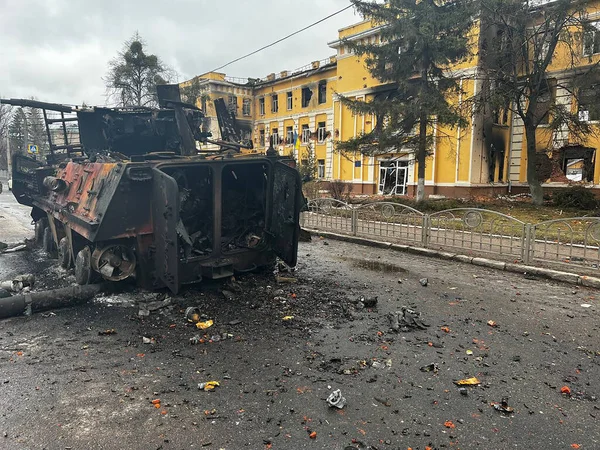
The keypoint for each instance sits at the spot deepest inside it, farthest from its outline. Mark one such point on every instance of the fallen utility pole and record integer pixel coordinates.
(41, 301)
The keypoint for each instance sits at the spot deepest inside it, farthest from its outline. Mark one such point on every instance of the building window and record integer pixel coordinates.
(232, 105)
(289, 135)
(261, 138)
(320, 168)
(246, 108)
(275, 137)
(261, 106)
(591, 39)
(306, 96)
(589, 109)
(322, 92)
(393, 177)
(290, 101)
(274, 103)
(321, 133)
(305, 134)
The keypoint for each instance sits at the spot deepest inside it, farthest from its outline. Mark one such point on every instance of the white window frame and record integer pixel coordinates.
(275, 136)
(289, 139)
(247, 107)
(321, 134)
(306, 135)
(592, 35)
(261, 106)
(275, 103)
(290, 101)
(320, 168)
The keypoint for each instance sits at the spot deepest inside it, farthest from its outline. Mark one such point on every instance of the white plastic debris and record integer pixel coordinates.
(336, 399)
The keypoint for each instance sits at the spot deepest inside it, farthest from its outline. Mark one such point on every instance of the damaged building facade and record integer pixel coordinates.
(300, 113)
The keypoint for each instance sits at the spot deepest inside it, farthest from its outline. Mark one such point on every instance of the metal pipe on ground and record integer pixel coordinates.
(41, 301)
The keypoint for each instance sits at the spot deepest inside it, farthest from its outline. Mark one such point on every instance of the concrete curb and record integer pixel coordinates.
(565, 277)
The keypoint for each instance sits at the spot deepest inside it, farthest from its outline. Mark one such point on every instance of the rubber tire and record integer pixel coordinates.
(83, 267)
(48, 243)
(40, 224)
(64, 253)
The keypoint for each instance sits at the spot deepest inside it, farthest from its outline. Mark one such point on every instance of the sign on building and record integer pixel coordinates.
(33, 149)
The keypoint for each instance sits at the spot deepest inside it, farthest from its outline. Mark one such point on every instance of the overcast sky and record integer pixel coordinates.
(58, 50)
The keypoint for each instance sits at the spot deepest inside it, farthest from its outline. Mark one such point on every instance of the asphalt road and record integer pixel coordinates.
(64, 385)
(15, 222)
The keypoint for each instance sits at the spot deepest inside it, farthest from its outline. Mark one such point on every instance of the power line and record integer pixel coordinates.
(284, 38)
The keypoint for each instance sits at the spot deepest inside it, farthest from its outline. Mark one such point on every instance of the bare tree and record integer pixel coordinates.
(522, 40)
(133, 75)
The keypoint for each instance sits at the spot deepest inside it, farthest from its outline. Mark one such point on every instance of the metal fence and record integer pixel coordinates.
(563, 243)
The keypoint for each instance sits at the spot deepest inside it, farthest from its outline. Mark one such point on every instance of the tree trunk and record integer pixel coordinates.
(421, 154)
(535, 187)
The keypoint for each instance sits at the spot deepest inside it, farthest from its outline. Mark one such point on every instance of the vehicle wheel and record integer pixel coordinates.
(48, 243)
(83, 266)
(39, 231)
(64, 253)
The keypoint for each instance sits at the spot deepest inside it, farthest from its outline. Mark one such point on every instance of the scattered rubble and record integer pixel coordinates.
(336, 400)
(406, 320)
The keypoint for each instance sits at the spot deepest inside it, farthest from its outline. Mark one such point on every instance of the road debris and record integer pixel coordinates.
(192, 314)
(492, 324)
(565, 390)
(449, 424)
(369, 302)
(424, 282)
(147, 340)
(107, 332)
(208, 386)
(46, 300)
(12, 286)
(288, 318)
(336, 399)
(406, 320)
(433, 367)
(468, 382)
(503, 406)
(205, 325)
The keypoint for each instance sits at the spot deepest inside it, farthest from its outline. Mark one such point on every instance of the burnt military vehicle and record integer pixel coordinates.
(135, 198)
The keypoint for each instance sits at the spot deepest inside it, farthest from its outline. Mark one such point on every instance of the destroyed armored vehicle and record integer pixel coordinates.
(133, 197)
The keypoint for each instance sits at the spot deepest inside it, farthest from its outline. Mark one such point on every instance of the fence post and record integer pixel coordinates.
(425, 231)
(527, 245)
(354, 221)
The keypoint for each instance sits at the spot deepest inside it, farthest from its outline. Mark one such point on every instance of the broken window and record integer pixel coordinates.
(261, 106)
(232, 105)
(545, 101)
(306, 96)
(322, 92)
(589, 109)
(261, 139)
(578, 163)
(305, 134)
(591, 39)
(321, 168)
(393, 177)
(321, 132)
(290, 101)
(274, 103)
(246, 108)
(289, 135)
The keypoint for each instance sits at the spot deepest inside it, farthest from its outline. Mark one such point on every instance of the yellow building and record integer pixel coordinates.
(487, 156)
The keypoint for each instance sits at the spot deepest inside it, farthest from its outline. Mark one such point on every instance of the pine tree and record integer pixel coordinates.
(16, 132)
(421, 41)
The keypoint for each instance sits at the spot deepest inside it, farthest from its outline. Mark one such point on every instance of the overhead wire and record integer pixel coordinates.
(283, 38)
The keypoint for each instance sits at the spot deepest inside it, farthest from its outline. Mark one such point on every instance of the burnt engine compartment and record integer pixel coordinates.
(244, 206)
(242, 212)
(195, 229)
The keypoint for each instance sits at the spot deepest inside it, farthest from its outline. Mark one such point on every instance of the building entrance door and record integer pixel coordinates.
(393, 177)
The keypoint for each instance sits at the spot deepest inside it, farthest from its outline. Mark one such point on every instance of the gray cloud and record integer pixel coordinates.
(58, 50)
